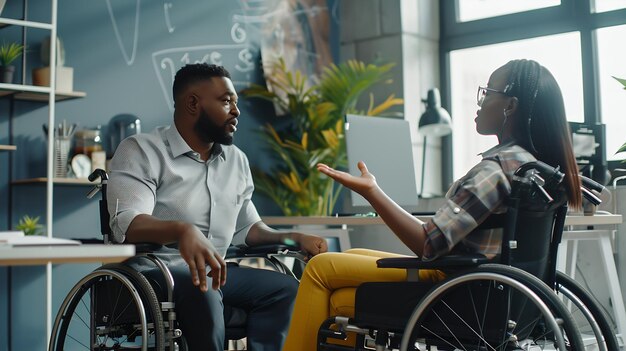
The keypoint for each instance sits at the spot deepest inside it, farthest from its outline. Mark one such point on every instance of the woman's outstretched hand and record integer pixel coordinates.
(364, 184)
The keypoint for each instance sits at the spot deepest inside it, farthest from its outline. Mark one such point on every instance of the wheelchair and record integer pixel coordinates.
(116, 307)
(515, 301)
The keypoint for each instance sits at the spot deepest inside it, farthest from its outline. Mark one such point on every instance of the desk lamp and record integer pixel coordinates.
(435, 121)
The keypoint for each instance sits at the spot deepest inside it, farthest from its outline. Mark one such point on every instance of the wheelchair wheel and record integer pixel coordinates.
(491, 309)
(590, 318)
(112, 308)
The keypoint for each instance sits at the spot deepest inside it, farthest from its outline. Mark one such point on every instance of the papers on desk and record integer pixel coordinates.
(17, 238)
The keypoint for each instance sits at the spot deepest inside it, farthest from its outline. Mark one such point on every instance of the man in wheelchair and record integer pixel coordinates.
(188, 187)
(522, 105)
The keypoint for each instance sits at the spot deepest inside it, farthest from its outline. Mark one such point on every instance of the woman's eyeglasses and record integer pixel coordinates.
(482, 92)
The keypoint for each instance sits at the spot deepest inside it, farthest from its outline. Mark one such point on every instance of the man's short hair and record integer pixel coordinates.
(193, 73)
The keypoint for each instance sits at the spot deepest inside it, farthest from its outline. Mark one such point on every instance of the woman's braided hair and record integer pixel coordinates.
(541, 126)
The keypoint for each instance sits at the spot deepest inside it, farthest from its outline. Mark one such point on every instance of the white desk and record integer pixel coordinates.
(48, 254)
(603, 237)
(41, 255)
(357, 220)
(570, 235)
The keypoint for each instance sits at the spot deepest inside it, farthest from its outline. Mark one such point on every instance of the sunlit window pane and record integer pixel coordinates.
(472, 67)
(607, 5)
(612, 63)
(469, 10)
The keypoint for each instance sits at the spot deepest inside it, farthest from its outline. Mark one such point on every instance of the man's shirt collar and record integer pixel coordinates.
(178, 146)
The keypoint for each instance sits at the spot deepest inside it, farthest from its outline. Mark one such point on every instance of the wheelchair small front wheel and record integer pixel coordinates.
(112, 308)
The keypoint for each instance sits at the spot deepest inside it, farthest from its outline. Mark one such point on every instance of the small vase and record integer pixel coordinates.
(6, 74)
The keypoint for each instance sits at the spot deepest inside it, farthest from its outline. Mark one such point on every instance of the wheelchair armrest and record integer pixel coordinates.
(259, 251)
(449, 261)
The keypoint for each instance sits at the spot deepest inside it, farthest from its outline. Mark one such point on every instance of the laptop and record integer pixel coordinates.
(384, 144)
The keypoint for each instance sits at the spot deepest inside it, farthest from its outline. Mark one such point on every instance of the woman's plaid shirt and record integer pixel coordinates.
(470, 201)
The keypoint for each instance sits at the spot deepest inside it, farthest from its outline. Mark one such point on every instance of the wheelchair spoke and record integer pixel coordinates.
(78, 342)
(113, 313)
(448, 329)
(438, 336)
(478, 323)
(479, 335)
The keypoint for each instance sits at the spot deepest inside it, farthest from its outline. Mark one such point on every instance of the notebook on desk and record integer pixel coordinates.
(384, 144)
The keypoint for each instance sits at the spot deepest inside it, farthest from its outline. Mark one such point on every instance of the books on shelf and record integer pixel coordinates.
(17, 238)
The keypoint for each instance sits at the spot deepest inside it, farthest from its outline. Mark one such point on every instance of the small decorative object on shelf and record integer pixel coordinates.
(29, 225)
(8, 53)
(65, 75)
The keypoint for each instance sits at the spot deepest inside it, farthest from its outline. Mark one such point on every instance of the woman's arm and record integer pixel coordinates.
(406, 227)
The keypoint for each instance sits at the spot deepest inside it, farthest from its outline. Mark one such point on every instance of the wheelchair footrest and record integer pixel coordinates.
(325, 331)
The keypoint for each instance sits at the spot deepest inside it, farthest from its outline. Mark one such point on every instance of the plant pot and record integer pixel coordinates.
(6, 74)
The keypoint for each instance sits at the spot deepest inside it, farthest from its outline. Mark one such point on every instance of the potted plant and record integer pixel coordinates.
(8, 53)
(314, 131)
(29, 225)
(623, 82)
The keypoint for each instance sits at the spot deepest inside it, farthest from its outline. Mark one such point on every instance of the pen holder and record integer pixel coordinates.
(61, 153)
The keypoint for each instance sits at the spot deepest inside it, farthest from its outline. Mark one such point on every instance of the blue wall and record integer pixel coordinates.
(129, 73)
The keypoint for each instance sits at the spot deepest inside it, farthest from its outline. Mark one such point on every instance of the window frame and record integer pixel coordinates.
(569, 16)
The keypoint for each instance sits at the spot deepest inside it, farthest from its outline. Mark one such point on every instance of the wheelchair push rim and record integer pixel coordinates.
(439, 290)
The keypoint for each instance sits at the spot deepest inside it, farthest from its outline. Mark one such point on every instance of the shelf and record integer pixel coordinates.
(29, 24)
(8, 147)
(60, 181)
(36, 93)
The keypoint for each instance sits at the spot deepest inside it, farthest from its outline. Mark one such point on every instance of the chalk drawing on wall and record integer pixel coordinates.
(237, 58)
(128, 58)
(167, 6)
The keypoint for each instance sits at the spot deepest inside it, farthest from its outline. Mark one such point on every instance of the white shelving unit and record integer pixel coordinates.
(50, 96)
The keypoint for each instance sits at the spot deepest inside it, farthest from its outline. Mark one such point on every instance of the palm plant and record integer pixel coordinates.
(315, 131)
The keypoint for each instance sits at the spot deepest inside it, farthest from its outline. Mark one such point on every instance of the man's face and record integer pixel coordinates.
(217, 121)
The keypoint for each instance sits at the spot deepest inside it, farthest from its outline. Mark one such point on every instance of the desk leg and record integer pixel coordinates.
(573, 258)
(563, 258)
(613, 282)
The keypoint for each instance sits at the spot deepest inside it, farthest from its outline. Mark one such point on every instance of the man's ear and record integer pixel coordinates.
(512, 106)
(192, 103)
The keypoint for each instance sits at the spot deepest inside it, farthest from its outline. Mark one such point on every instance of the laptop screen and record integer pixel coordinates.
(384, 144)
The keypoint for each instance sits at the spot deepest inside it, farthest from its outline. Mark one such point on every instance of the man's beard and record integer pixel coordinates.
(211, 132)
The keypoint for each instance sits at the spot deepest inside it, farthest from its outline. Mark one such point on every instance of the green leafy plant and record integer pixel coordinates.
(314, 132)
(623, 147)
(29, 225)
(10, 52)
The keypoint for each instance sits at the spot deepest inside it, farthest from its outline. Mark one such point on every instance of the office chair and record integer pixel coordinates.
(116, 307)
(514, 301)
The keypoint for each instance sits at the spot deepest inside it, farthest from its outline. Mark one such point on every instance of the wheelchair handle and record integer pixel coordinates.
(591, 184)
(98, 172)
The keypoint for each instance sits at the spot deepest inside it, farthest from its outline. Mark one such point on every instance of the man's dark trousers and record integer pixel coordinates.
(267, 296)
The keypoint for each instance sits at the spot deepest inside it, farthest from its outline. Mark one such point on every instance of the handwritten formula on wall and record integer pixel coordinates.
(294, 30)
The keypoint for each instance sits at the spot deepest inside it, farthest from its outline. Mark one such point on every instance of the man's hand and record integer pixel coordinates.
(198, 252)
(311, 245)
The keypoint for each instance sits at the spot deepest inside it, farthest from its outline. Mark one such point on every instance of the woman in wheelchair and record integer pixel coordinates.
(522, 105)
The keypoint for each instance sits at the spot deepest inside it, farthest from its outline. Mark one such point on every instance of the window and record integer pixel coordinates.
(611, 63)
(470, 10)
(607, 5)
(471, 67)
(580, 41)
